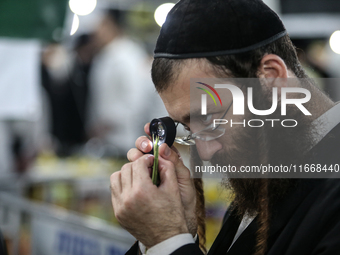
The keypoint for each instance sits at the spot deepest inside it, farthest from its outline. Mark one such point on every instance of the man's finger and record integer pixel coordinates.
(167, 174)
(143, 144)
(134, 154)
(178, 154)
(169, 154)
(115, 183)
(173, 156)
(147, 129)
(141, 169)
(126, 176)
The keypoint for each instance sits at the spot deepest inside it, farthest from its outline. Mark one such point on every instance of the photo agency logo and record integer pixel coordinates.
(238, 101)
(204, 97)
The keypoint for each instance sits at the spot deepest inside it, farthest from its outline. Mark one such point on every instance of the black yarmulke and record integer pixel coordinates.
(202, 28)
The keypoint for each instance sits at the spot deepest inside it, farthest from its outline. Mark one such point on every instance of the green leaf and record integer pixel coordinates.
(155, 162)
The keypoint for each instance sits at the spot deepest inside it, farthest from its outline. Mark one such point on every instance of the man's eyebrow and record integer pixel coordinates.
(186, 118)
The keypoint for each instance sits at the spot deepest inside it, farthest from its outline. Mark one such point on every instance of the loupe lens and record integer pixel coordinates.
(165, 129)
(160, 131)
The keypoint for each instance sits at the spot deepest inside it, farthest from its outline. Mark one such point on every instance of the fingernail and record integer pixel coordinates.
(144, 144)
(149, 159)
(167, 151)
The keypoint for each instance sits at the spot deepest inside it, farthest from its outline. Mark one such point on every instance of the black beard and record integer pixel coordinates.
(266, 145)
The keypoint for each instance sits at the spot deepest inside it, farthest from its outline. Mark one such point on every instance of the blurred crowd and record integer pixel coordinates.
(93, 99)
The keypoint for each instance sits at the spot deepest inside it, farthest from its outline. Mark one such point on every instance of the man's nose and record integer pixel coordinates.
(206, 150)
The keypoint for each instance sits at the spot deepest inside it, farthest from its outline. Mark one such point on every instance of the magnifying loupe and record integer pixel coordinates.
(165, 129)
(162, 130)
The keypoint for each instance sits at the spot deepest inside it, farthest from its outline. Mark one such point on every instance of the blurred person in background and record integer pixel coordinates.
(119, 83)
(65, 79)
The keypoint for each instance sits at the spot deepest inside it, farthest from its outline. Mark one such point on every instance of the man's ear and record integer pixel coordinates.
(271, 68)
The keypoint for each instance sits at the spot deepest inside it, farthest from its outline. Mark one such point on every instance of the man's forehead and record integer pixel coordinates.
(176, 97)
(177, 102)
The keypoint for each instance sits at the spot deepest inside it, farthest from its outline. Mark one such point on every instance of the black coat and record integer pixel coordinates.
(307, 222)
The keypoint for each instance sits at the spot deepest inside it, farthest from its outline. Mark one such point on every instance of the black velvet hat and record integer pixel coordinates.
(203, 28)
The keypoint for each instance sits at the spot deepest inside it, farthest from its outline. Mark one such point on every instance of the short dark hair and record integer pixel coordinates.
(243, 65)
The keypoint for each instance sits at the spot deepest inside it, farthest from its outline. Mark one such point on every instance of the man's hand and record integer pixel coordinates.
(151, 214)
(185, 183)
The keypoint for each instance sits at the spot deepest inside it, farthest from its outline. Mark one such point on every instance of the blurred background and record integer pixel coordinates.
(75, 93)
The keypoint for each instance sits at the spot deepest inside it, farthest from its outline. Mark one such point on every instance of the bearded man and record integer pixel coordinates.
(234, 39)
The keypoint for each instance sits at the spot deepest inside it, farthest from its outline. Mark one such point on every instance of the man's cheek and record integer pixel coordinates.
(206, 150)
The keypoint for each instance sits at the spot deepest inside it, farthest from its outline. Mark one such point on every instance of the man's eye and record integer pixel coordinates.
(206, 119)
(187, 129)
